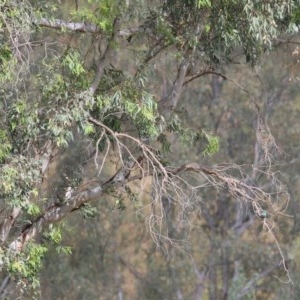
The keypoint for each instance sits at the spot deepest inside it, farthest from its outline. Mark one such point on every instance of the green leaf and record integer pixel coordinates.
(213, 144)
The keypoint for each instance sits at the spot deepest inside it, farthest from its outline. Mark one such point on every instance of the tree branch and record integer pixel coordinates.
(104, 60)
(167, 105)
(9, 221)
(74, 26)
(56, 213)
(200, 74)
(85, 193)
(79, 27)
(250, 284)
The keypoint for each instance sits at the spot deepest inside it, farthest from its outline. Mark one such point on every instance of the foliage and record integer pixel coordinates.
(253, 29)
(92, 95)
(26, 266)
(19, 176)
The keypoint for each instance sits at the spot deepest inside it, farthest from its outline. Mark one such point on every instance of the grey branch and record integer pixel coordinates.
(74, 26)
(167, 105)
(104, 60)
(52, 215)
(8, 223)
(251, 283)
(10, 219)
(79, 26)
(57, 213)
(83, 194)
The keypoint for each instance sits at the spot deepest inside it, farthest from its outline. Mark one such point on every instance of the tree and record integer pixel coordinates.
(91, 99)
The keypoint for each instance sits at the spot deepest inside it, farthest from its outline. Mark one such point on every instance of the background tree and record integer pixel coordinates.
(98, 109)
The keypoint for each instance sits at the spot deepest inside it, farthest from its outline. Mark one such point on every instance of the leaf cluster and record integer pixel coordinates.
(25, 266)
(126, 100)
(215, 29)
(18, 178)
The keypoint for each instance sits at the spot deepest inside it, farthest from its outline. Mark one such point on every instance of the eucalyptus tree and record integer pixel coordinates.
(90, 94)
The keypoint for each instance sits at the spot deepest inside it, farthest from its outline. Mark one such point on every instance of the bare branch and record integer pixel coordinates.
(74, 26)
(79, 27)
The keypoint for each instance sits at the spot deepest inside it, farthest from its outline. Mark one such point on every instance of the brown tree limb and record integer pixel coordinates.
(203, 73)
(167, 105)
